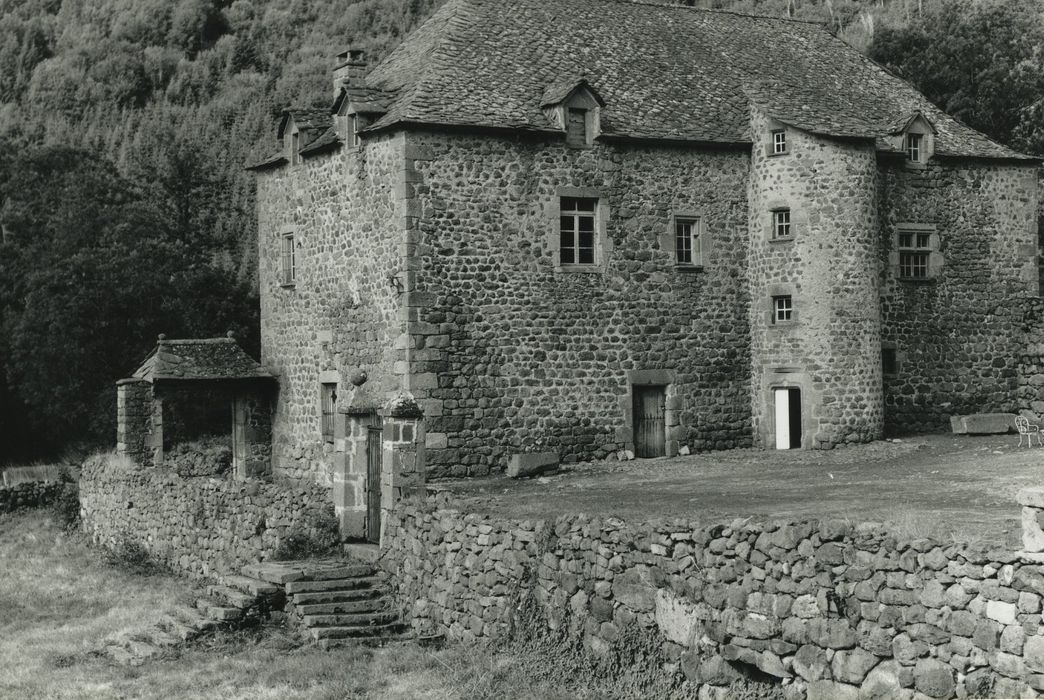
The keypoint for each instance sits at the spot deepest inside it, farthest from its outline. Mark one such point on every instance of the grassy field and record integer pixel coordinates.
(59, 599)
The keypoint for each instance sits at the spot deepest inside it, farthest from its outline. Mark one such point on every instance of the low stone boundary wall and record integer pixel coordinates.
(28, 494)
(827, 609)
(201, 526)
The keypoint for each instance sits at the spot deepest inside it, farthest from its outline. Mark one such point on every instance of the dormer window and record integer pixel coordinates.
(915, 147)
(573, 106)
(353, 130)
(576, 127)
(295, 147)
(779, 142)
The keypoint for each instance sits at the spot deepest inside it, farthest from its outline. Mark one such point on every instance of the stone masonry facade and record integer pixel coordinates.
(428, 261)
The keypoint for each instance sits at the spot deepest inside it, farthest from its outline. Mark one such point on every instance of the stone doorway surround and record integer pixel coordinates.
(674, 432)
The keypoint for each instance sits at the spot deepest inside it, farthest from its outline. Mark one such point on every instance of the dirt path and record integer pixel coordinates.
(949, 486)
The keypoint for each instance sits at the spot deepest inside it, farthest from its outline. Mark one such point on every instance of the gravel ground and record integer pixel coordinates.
(947, 486)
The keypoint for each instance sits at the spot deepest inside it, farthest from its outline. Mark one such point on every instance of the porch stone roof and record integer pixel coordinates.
(199, 359)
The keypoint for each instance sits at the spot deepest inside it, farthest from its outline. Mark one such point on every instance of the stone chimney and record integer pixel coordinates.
(350, 69)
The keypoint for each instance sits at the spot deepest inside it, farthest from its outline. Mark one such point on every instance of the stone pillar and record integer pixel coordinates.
(1032, 502)
(134, 420)
(156, 431)
(402, 467)
(251, 436)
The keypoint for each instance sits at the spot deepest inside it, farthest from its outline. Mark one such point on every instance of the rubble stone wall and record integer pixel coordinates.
(341, 316)
(199, 525)
(512, 352)
(28, 494)
(830, 609)
(957, 336)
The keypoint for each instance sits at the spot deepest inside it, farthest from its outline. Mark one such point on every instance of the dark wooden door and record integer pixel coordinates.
(374, 440)
(649, 424)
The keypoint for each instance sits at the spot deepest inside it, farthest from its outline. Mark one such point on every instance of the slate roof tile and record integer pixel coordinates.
(209, 358)
(664, 71)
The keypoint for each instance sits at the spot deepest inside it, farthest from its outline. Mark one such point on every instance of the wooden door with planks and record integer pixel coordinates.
(649, 421)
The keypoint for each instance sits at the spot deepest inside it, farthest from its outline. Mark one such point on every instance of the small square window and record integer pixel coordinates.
(780, 224)
(779, 142)
(577, 230)
(328, 399)
(915, 147)
(782, 308)
(688, 246)
(288, 262)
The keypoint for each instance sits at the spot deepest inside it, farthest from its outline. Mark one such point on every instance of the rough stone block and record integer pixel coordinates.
(983, 424)
(532, 464)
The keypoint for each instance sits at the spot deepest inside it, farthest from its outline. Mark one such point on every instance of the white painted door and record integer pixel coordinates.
(782, 419)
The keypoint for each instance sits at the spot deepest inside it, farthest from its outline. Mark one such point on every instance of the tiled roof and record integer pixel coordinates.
(210, 358)
(314, 119)
(664, 71)
(325, 141)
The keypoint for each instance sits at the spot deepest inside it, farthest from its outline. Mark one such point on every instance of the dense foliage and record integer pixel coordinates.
(125, 125)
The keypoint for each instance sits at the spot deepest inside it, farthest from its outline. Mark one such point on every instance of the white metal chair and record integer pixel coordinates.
(1027, 430)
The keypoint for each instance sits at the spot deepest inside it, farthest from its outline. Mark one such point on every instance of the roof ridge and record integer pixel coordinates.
(717, 11)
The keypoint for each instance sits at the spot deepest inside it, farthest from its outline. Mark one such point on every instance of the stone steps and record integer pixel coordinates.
(183, 624)
(215, 610)
(339, 584)
(335, 602)
(235, 598)
(355, 631)
(376, 641)
(336, 596)
(252, 586)
(374, 604)
(369, 619)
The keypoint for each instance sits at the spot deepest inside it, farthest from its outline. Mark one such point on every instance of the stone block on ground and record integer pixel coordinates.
(531, 464)
(983, 424)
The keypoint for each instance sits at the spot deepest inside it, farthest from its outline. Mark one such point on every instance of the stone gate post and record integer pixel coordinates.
(402, 468)
(134, 413)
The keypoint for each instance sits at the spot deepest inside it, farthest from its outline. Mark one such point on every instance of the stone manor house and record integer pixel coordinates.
(590, 227)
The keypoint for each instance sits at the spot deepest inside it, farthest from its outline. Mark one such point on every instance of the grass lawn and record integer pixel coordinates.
(951, 487)
(58, 600)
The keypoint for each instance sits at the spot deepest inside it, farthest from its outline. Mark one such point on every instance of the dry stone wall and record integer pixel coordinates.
(957, 337)
(827, 609)
(200, 526)
(341, 316)
(28, 494)
(512, 353)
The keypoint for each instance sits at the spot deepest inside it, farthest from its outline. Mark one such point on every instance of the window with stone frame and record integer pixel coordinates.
(915, 251)
(781, 224)
(328, 402)
(782, 308)
(287, 260)
(779, 142)
(915, 147)
(688, 241)
(577, 230)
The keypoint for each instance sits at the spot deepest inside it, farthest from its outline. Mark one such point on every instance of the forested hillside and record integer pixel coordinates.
(125, 125)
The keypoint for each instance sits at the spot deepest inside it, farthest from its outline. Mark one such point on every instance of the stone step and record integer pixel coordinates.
(181, 629)
(344, 607)
(338, 584)
(337, 596)
(272, 572)
(216, 611)
(365, 553)
(161, 638)
(346, 632)
(379, 641)
(254, 586)
(371, 619)
(338, 572)
(236, 599)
